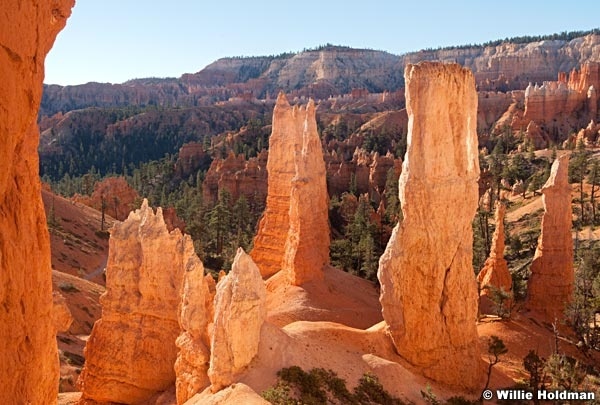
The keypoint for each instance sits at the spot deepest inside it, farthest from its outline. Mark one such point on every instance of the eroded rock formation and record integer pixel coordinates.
(295, 170)
(240, 310)
(238, 177)
(131, 351)
(195, 313)
(428, 292)
(566, 104)
(550, 286)
(494, 273)
(367, 171)
(61, 313)
(307, 244)
(29, 366)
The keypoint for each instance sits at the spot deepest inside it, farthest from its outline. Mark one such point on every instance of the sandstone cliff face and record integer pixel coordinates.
(551, 284)
(29, 366)
(195, 313)
(428, 292)
(307, 245)
(495, 269)
(131, 351)
(269, 243)
(240, 310)
(560, 106)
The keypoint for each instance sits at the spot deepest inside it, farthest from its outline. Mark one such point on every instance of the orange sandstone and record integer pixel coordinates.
(307, 244)
(29, 366)
(551, 284)
(195, 313)
(495, 269)
(240, 310)
(428, 292)
(294, 232)
(131, 351)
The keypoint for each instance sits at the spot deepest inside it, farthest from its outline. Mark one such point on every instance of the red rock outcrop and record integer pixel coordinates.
(286, 136)
(195, 314)
(428, 292)
(240, 310)
(550, 286)
(368, 171)
(495, 269)
(29, 366)
(131, 351)
(61, 313)
(238, 177)
(307, 245)
(190, 158)
(118, 196)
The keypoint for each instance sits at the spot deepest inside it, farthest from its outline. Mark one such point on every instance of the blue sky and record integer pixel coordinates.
(117, 40)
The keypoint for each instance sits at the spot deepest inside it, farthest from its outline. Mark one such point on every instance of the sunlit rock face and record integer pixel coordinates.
(29, 366)
(293, 233)
(428, 291)
(494, 273)
(550, 287)
(240, 310)
(131, 352)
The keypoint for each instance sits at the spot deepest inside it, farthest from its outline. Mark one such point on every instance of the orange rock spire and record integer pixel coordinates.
(428, 292)
(495, 269)
(551, 284)
(131, 351)
(293, 233)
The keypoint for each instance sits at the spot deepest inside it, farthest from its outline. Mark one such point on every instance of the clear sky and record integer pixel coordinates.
(117, 40)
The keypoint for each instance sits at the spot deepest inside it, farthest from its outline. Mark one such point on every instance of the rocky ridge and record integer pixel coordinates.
(331, 70)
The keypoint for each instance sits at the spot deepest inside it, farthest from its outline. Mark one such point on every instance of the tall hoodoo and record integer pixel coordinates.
(307, 244)
(240, 310)
(294, 227)
(29, 366)
(195, 313)
(428, 291)
(551, 284)
(131, 351)
(495, 269)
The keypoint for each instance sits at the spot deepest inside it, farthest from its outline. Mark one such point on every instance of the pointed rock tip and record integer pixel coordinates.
(282, 100)
(243, 261)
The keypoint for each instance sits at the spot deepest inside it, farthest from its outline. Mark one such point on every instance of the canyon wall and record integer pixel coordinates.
(559, 107)
(428, 291)
(331, 71)
(29, 366)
